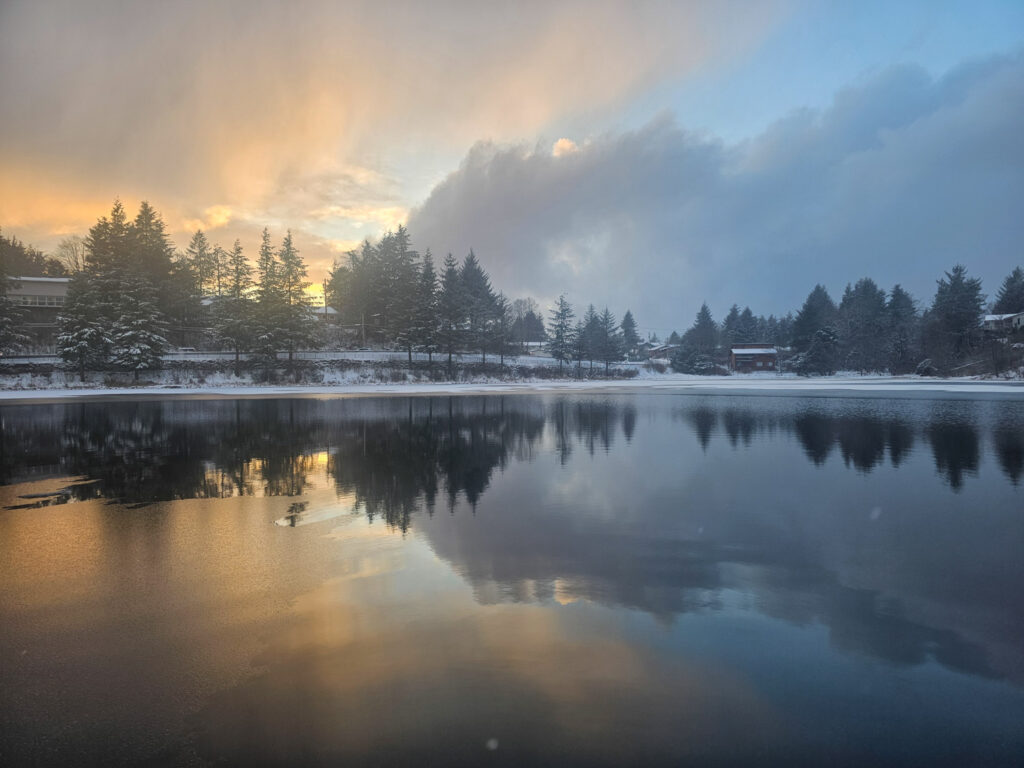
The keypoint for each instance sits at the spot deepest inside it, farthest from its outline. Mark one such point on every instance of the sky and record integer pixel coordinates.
(642, 155)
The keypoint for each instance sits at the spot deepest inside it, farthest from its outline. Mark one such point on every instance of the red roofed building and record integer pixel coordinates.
(751, 358)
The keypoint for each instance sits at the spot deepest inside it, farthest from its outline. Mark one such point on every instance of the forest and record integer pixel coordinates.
(132, 297)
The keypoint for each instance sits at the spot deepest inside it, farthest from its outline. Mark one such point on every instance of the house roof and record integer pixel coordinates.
(755, 351)
(997, 318)
(40, 279)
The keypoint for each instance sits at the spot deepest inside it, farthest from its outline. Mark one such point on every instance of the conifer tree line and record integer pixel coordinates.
(869, 330)
(391, 294)
(131, 294)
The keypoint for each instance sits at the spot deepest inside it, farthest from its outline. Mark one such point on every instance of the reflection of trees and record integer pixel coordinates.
(861, 441)
(391, 465)
(1009, 442)
(817, 435)
(739, 425)
(955, 447)
(703, 420)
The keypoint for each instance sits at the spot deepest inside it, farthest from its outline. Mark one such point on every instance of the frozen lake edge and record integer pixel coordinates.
(826, 386)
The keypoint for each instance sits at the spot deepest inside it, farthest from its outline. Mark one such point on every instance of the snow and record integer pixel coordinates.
(756, 351)
(648, 382)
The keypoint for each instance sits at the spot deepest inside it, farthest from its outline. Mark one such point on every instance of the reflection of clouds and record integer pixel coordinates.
(431, 674)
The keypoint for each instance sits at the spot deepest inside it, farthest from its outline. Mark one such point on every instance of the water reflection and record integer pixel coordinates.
(583, 569)
(144, 452)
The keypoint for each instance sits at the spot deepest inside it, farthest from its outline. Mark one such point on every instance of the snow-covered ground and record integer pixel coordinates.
(226, 386)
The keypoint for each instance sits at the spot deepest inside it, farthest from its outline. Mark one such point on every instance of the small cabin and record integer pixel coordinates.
(1004, 323)
(752, 358)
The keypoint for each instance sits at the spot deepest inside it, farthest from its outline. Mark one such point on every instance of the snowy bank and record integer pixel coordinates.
(753, 383)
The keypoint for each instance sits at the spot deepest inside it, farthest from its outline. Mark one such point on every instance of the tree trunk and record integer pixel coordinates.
(410, 355)
(136, 374)
(238, 362)
(81, 372)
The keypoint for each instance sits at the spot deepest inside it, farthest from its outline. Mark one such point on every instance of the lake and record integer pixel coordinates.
(570, 579)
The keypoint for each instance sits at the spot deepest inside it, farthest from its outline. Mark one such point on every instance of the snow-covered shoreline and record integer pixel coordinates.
(753, 384)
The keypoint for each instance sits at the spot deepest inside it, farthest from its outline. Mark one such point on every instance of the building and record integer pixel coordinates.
(1004, 323)
(42, 298)
(751, 358)
(661, 351)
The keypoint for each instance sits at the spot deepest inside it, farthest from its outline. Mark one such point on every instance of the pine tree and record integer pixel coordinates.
(730, 326)
(479, 298)
(746, 328)
(703, 335)
(957, 310)
(818, 311)
(233, 312)
(560, 331)
(84, 341)
(901, 330)
(137, 334)
(199, 257)
(152, 254)
(611, 343)
(11, 316)
(630, 338)
(295, 324)
(579, 346)
(862, 322)
(451, 309)
(1010, 297)
(591, 338)
(220, 270)
(501, 326)
(270, 302)
(425, 316)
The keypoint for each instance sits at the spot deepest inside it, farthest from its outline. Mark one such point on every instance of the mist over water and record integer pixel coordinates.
(575, 579)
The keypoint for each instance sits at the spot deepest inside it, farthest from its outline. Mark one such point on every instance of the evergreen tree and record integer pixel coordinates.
(674, 338)
(220, 270)
(84, 341)
(590, 340)
(425, 317)
(957, 310)
(630, 338)
(703, 334)
(200, 258)
(579, 346)
(501, 326)
(451, 309)
(270, 302)
(611, 346)
(862, 326)
(901, 331)
(730, 326)
(296, 327)
(560, 331)
(818, 311)
(137, 334)
(821, 356)
(233, 312)
(11, 316)
(20, 260)
(746, 328)
(1010, 297)
(479, 298)
(152, 255)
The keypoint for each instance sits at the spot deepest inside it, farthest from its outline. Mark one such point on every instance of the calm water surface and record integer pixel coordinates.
(574, 579)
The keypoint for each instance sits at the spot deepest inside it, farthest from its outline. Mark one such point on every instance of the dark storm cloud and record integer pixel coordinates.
(900, 178)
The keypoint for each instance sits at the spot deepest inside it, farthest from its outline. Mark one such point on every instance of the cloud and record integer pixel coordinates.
(275, 109)
(901, 177)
